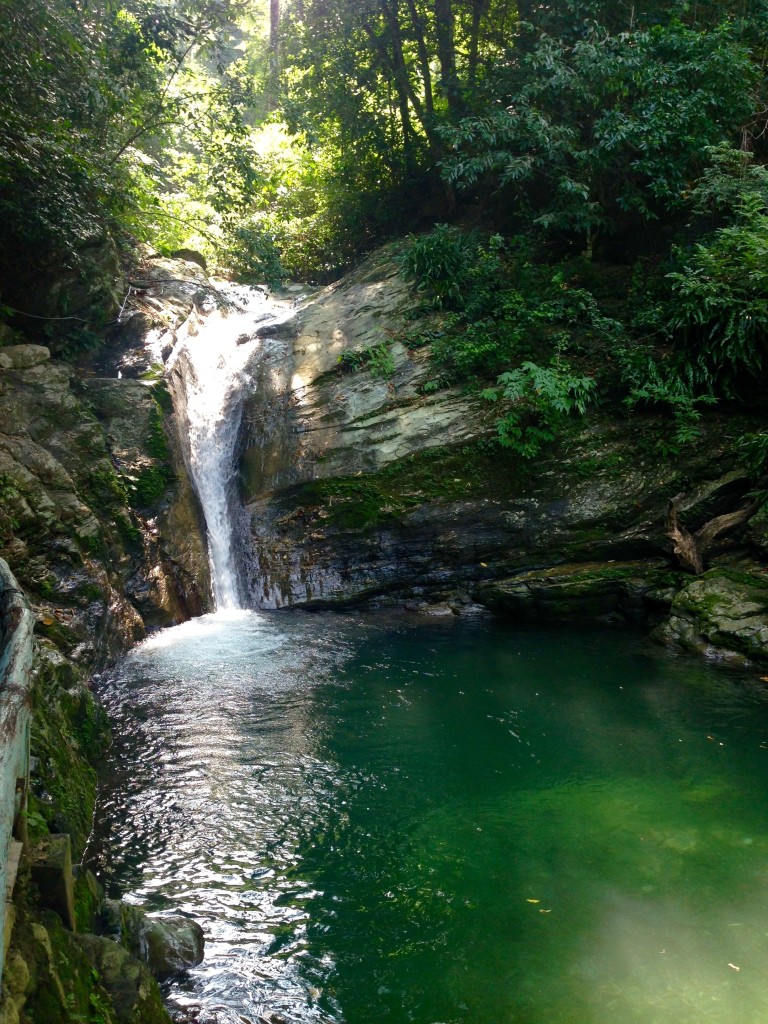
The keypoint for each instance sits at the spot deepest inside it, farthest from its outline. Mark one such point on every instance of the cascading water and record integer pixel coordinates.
(213, 367)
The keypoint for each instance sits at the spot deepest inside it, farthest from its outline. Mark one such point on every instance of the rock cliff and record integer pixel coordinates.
(364, 485)
(104, 535)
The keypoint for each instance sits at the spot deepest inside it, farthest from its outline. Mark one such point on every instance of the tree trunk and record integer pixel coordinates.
(446, 53)
(426, 73)
(478, 9)
(273, 83)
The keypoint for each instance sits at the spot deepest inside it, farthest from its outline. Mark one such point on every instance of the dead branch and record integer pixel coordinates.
(689, 548)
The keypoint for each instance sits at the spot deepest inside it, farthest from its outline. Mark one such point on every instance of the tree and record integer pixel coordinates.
(595, 128)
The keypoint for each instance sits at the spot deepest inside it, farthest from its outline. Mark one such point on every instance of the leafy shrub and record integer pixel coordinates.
(678, 386)
(596, 128)
(378, 358)
(440, 264)
(540, 399)
(754, 452)
(251, 253)
(719, 304)
(510, 309)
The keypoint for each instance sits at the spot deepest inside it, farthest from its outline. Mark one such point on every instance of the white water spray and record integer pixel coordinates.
(213, 367)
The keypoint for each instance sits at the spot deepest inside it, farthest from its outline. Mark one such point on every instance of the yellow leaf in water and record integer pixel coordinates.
(533, 901)
(735, 968)
(484, 565)
(542, 911)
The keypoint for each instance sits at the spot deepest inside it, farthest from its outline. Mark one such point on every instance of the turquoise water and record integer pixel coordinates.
(381, 819)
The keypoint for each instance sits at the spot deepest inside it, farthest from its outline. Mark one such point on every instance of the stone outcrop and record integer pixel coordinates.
(722, 615)
(103, 533)
(167, 944)
(365, 485)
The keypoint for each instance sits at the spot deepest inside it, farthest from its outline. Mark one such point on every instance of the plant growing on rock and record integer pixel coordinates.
(539, 398)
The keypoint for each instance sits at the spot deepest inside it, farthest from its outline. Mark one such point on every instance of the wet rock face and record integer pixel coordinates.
(161, 307)
(362, 486)
(64, 526)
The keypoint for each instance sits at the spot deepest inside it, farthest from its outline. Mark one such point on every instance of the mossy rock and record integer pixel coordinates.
(723, 615)
(69, 733)
(62, 985)
(133, 992)
(583, 592)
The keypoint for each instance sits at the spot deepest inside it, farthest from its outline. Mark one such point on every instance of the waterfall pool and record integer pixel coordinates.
(377, 818)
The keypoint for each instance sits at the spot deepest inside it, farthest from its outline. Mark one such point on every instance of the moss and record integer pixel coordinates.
(65, 987)
(151, 484)
(69, 732)
(456, 473)
(52, 629)
(104, 488)
(89, 898)
(157, 442)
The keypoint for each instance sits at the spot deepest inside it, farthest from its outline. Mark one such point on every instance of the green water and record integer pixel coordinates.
(380, 819)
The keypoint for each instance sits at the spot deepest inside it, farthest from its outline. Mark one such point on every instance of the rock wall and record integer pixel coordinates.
(103, 532)
(363, 485)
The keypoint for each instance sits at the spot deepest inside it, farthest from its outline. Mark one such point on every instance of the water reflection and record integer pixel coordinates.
(376, 819)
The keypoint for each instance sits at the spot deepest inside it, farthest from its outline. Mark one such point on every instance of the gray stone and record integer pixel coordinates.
(51, 869)
(23, 357)
(134, 992)
(721, 615)
(167, 944)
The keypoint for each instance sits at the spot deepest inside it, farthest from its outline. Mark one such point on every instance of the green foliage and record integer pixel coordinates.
(251, 254)
(677, 387)
(715, 310)
(508, 307)
(719, 304)
(377, 358)
(440, 263)
(732, 185)
(754, 453)
(596, 129)
(540, 398)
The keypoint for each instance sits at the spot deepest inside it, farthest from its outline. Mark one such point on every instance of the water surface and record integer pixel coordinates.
(380, 819)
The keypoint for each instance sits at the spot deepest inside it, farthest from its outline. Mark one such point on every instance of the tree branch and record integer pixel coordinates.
(689, 548)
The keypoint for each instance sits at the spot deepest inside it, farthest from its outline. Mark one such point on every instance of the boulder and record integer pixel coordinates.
(722, 615)
(167, 944)
(134, 993)
(23, 357)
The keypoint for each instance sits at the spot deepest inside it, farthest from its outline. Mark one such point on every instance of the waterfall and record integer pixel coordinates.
(213, 367)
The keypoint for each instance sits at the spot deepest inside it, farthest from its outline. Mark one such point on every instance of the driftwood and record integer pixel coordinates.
(689, 547)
